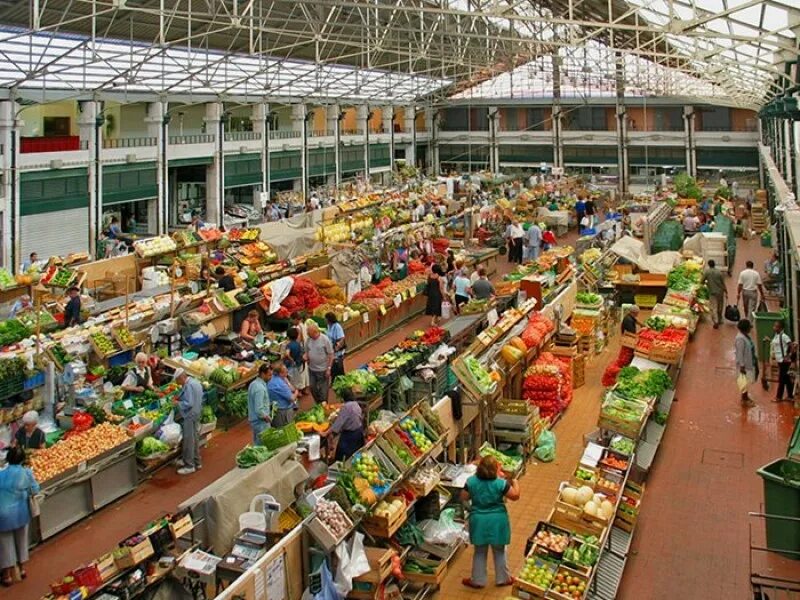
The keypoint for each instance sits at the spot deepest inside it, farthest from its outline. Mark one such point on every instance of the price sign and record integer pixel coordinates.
(397, 301)
(82, 467)
(383, 310)
(345, 316)
(128, 404)
(492, 317)
(412, 292)
(365, 317)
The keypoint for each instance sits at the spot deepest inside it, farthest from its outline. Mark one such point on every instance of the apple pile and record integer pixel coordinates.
(538, 573)
(568, 584)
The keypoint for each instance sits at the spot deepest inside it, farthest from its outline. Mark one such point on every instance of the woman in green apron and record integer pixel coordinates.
(488, 521)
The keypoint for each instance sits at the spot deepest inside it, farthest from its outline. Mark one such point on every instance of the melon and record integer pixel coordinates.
(585, 494)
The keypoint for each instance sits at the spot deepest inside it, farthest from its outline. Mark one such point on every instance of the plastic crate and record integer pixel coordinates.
(33, 382)
(11, 387)
(123, 358)
(272, 439)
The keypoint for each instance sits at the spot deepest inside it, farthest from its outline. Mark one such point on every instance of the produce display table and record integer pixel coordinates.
(463, 329)
(69, 497)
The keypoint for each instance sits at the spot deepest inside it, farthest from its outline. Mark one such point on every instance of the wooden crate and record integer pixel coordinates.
(667, 357)
(133, 555)
(577, 482)
(628, 340)
(367, 586)
(528, 587)
(552, 594)
(107, 566)
(578, 526)
(440, 570)
(384, 527)
(181, 526)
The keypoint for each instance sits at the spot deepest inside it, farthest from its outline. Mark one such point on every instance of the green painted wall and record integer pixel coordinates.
(727, 156)
(53, 190)
(129, 182)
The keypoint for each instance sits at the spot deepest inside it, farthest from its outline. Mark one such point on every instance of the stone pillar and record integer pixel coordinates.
(558, 144)
(410, 126)
(689, 140)
(494, 150)
(261, 126)
(90, 123)
(622, 125)
(300, 115)
(362, 118)
(788, 151)
(333, 124)
(157, 121)
(215, 172)
(433, 117)
(9, 138)
(387, 115)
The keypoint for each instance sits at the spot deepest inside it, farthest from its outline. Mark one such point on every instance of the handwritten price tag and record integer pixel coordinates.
(383, 310)
(365, 317)
(397, 301)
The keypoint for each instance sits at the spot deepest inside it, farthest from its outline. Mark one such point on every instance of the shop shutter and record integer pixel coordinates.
(55, 233)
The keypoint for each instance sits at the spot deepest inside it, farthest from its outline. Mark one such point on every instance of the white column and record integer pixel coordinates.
(494, 150)
(387, 115)
(558, 147)
(410, 126)
(362, 119)
(333, 124)
(300, 123)
(157, 121)
(215, 172)
(9, 129)
(622, 149)
(90, 122)
(787, 152)
(689, 140)
(261, 126)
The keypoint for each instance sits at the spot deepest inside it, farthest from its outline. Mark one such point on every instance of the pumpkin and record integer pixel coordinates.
(517, 342)
(511, 354)
(368, 497)
(361, 484)
(24, 279)
(305, 426)
(495, 376)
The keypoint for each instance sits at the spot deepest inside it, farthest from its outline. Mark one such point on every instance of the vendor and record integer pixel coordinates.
(205, 279)
(197, 222)
(22, 304)
(29, 436)
(259, 407)
(225, 280)
(348, 427)
(72, 312)
(553, 206)
(251, 327)
(629, 323)
(139, 378)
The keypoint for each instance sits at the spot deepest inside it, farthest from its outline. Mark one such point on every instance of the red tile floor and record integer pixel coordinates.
(692, 538)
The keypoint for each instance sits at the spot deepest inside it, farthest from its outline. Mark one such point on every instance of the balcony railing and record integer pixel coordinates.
(351, 132)
(199, 138)
(242, 136)
(60, 143)
(131, 142)
(284, 135)
(320, 133)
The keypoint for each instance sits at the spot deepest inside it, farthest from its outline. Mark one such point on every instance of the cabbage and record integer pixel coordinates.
(150, 446)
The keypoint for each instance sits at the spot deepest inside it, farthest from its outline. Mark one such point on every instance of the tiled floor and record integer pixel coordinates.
(692, 539)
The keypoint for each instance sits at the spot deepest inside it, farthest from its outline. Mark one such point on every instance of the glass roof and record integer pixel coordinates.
(76, 64)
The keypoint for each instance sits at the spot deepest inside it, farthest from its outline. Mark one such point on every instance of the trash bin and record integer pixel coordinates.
(763, 324)
(782, 498)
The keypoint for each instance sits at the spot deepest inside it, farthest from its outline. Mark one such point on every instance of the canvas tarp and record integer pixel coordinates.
(292, 237)
(223, 501)
(633, 250)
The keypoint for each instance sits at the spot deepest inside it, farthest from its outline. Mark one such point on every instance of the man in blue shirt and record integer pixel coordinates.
(282, 394)
(259, 407)
(190, 405)
(533, 241)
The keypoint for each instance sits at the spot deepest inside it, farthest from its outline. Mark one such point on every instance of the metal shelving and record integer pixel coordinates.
(607, 577)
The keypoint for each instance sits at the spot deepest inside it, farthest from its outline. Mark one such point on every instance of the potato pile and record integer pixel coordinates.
(331, 291)
(72, 451)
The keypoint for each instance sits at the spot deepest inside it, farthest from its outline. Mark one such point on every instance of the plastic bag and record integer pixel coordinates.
(280, 290)
(732, 313)
(742, 383)
(171, 434)
(444, 531)
(351, 562)
(328, 589)
(546, 446)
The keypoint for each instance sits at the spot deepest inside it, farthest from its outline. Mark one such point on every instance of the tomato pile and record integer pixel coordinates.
(671, 339)
(548, 384)
(538, 327)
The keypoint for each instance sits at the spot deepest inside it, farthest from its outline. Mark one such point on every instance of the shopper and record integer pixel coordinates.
(224, 280)
(293, 359)
(282, 395)
(319, 357)
(516, 235)
(580, 212)
(548, 238)
(298, 322)
(348, 427)
(30, 436)
(715, 283)
(435, 291)
(31, 261)
(190, 405)
(259, 407)
(488, 521)
(72, 311)
(782, 352)
(482, 288)
(205, 280)
(749, 290)
(139, 378)
(746, 364)
(590, 212)
(17, 485)
(461, 286)
(629, 322)
(533, 242)
(251, 328)
(335, 334)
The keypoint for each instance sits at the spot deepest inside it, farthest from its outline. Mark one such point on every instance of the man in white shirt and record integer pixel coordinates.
(781, 352)
(515, 234)
(749, 290)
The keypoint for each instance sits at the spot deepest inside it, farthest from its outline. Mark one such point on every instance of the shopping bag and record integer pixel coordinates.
(732, 313)
(742, 383)
(447, 310)
(351, 562)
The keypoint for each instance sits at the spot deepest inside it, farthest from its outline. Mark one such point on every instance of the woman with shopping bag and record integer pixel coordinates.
(746, 363)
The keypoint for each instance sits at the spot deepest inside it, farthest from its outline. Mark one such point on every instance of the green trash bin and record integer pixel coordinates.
(763, 324)
(782, 498)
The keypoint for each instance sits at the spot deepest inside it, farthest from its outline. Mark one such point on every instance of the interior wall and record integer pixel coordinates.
(33, 117)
